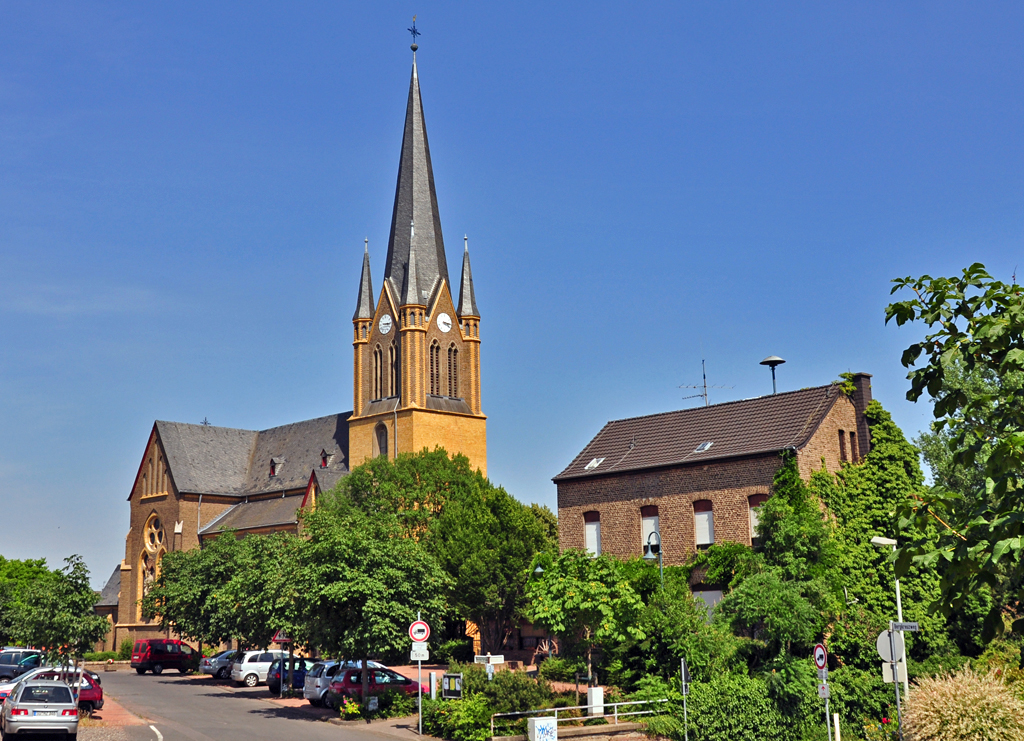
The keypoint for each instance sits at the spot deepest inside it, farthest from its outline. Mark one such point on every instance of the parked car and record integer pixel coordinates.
(299, 668)
(40, 706)
(15, 662)
(219, 665)
(90, 698)
(349, 683)
(251, 667)
(317, 686)
(157, 654)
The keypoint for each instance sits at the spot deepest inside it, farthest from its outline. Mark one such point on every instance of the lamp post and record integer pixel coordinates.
(539, 572)
(772, 361)
(886, 543)
(652, 551)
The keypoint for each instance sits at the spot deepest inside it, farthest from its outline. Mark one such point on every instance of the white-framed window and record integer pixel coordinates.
(710, 597)
(592, 532)
(649, 524)
(703, 524)
(753, 504)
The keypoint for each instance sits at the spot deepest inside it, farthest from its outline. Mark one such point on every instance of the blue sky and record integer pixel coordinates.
(185, 188)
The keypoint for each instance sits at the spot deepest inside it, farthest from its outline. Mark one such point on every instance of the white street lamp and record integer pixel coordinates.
(886, 543)
(652, 551)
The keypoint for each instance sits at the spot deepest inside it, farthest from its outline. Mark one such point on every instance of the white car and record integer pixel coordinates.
(250, 667)
(317, 686)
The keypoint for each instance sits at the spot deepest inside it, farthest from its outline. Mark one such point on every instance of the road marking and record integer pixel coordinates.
(159, 736)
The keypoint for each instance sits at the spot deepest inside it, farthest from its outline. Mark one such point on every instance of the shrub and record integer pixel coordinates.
(100, 656)
(124, 652)
(557, 669)
(468, 719)
(457, 649)
(965, 706)
(514, 692)
(349, 708)
(736, 708)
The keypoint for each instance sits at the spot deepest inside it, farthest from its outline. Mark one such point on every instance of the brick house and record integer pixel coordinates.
(697, 476)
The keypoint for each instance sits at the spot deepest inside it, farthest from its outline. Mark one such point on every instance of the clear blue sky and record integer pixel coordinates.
(185, 188)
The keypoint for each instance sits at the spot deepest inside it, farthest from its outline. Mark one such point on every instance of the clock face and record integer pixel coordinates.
(444, 322)
(384, 325)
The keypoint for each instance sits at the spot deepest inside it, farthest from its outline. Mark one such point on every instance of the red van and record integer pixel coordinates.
(157, 654)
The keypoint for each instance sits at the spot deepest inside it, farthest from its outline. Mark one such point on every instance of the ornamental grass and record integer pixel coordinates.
(963, 706)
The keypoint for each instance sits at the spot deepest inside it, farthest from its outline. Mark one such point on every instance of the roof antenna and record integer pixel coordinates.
(772, 361)
(205, 422)
(704, 393)
(414, 33)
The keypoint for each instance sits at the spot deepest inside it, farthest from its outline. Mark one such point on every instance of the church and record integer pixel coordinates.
(416, 384)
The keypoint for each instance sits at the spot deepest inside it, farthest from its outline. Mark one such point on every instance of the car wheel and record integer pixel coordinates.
(327, 701)
(139, 670)
(315, 703)
(85, 708)
(251, 680)
(222, 673)
(158, 668)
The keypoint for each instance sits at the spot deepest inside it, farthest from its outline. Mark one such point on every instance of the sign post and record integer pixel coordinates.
(419, 631)
(684, 676)
(891, 648)
(821, 661)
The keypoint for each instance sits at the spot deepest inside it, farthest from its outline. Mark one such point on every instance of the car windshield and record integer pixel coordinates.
(45, 693)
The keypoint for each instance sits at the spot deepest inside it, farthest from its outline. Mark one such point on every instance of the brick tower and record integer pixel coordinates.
(416, 354)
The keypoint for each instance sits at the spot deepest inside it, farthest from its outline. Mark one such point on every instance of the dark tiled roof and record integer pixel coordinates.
(111, 593)
(220, 460)
(364, 304)
(260, 513)
(763, 425)
(448, 404)
(467, 296)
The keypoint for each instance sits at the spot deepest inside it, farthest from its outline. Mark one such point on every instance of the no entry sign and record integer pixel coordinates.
(419, 631)
(820, 656)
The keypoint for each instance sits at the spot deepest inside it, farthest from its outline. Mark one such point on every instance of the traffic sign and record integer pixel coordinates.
(901, 672)
(419, 652)
(820, 656)
(488, 659)
(823, 691)
(885, 648)
(419, 631)
(906, 627)
(280, 637)
(823, 675)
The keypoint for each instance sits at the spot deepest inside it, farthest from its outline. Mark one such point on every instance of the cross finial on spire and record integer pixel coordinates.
(414, 33)
(366, 245)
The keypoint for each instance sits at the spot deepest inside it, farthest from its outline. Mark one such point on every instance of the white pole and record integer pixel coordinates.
(835, 717)
(899, 616)
(419, 670)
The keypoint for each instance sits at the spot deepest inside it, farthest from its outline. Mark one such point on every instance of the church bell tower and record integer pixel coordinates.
(416, 353)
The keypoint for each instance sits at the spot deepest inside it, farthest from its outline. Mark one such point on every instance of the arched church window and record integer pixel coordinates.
(393, 368)
(382, 439)
(378, 373)
(435, 368)
(453, 371)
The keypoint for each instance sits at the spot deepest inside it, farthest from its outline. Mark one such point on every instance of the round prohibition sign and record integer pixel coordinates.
(419, 631)
(820, 656)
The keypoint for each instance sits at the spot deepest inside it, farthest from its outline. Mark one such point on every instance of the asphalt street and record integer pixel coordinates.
(195, 708)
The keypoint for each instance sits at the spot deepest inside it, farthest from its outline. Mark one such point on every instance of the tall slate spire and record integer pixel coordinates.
(364, 304)
(415, 222)
(410, 294)
(467, 297)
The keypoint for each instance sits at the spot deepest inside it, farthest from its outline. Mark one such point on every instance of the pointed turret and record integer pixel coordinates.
(364, 304)
(467, 298)
(410, 294)
(415, 203)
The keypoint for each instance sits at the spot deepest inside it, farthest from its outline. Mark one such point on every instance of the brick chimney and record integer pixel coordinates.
(861, 398)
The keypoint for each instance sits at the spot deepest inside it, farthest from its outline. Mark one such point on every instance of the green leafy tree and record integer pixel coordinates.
(363, 582)
(976, 322)
(189, 594)
(585, 598)
(57, 613)
(15, 578)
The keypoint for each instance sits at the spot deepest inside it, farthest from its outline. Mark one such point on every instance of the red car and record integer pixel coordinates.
(157, 654)
(350, 683)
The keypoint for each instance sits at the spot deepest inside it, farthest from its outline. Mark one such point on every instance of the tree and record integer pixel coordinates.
(363, 582)
(57, 613)
(976, 321)
(189, 594)
(586, 598)
(15, 578)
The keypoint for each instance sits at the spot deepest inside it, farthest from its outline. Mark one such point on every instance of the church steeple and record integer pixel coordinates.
(416, 205)
(364, 304)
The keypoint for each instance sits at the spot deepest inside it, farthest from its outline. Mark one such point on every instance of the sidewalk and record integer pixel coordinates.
(114, 714)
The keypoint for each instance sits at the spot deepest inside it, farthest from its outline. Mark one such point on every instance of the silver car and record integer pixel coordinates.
(219, 665)
(317, 686)
(40, 706)
(250, 667)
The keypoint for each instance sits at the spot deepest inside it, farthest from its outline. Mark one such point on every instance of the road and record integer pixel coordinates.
(195, 708)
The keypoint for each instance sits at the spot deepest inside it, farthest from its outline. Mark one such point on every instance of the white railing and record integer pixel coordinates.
(616, 714)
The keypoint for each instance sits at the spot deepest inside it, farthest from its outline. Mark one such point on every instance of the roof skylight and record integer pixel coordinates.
(593, 464)
(703, 447)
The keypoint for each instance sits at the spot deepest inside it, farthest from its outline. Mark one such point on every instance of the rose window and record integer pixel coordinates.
(154, 534)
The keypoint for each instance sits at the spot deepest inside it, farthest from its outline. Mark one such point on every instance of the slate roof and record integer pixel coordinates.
(364, 304)
(112, 590)
(415, 221)
(467, 296)
(762, 425)
(277, 511)
(203, 459)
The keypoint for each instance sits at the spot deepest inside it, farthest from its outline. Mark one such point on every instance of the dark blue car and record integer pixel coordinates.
(300, 667)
